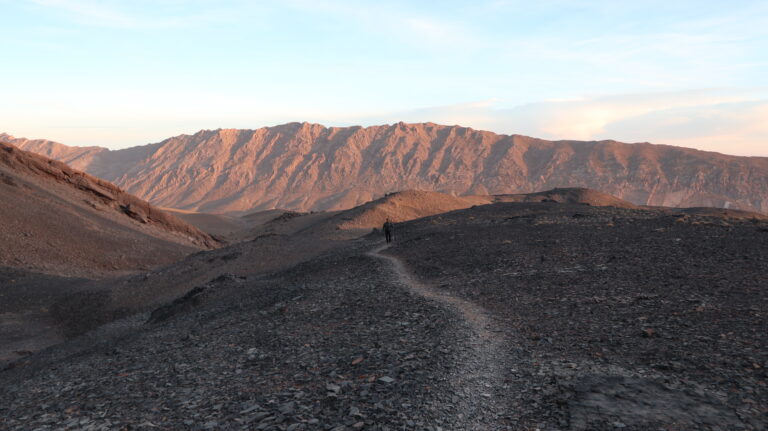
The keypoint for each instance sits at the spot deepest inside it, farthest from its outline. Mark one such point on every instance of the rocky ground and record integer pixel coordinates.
(507, 316)
(25, 322)
(629, 319)
(331, 344)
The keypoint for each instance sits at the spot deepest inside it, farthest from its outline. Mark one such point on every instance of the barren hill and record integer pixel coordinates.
(406, 205)
(301, 166)
(59, 220)
(572, 195)
(508, 316)
(76, 157)
(400, 207)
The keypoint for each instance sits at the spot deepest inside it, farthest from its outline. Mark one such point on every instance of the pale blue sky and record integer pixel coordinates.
(120, 73)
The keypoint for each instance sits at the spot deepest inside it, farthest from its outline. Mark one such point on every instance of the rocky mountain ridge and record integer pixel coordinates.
(302, 166)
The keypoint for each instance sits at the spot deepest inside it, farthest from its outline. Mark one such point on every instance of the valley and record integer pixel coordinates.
(490, 216)
(567, 309)
(557, 315)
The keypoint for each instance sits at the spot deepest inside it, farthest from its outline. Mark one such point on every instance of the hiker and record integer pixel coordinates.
(388, 230)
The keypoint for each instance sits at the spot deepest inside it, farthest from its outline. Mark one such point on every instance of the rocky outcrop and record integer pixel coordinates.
(303, 166)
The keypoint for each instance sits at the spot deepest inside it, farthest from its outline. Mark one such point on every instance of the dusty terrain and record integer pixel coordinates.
(513, 315)
(345, 224)
(26, 325)
(274, 240)
(62, 221)
(58, 228)
(305, 167)
(221, 226)
(264, 241)
(645, 319)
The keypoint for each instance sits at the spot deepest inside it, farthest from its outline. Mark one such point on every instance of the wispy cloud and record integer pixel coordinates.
(536, 68)
(114, 14)
(666, 55)
(724, 120)
(399, 21)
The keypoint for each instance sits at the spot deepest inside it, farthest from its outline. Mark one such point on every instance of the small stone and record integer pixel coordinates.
(386, 379)
(287, 408)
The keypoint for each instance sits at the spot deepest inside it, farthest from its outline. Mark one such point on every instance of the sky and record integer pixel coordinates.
(121, 73)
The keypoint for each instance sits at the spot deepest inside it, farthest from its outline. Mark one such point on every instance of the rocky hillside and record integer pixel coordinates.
(509, 316)
(300, 166)
(59, 220)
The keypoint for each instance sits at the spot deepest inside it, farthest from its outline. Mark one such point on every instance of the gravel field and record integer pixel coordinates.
(335, 343)
(633, 319)
(499, 317)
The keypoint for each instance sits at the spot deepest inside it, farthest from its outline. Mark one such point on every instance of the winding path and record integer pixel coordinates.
(480, 378)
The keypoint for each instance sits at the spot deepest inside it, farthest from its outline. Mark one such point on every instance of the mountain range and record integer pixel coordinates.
(303, 167)
(566, 309)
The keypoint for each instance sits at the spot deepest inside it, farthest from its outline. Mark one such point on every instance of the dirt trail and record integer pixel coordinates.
(475, 315)
(479, 382)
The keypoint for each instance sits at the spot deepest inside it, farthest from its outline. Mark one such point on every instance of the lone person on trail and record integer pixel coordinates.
(388, 230)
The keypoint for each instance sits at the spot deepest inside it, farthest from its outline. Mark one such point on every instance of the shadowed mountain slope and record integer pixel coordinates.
(59, 220)
(301, 166)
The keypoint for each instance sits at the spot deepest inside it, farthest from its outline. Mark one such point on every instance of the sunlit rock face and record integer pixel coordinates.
(303, 166)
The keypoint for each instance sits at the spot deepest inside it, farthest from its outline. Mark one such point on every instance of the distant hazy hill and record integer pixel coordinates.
(59, 220)
(302, 166)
